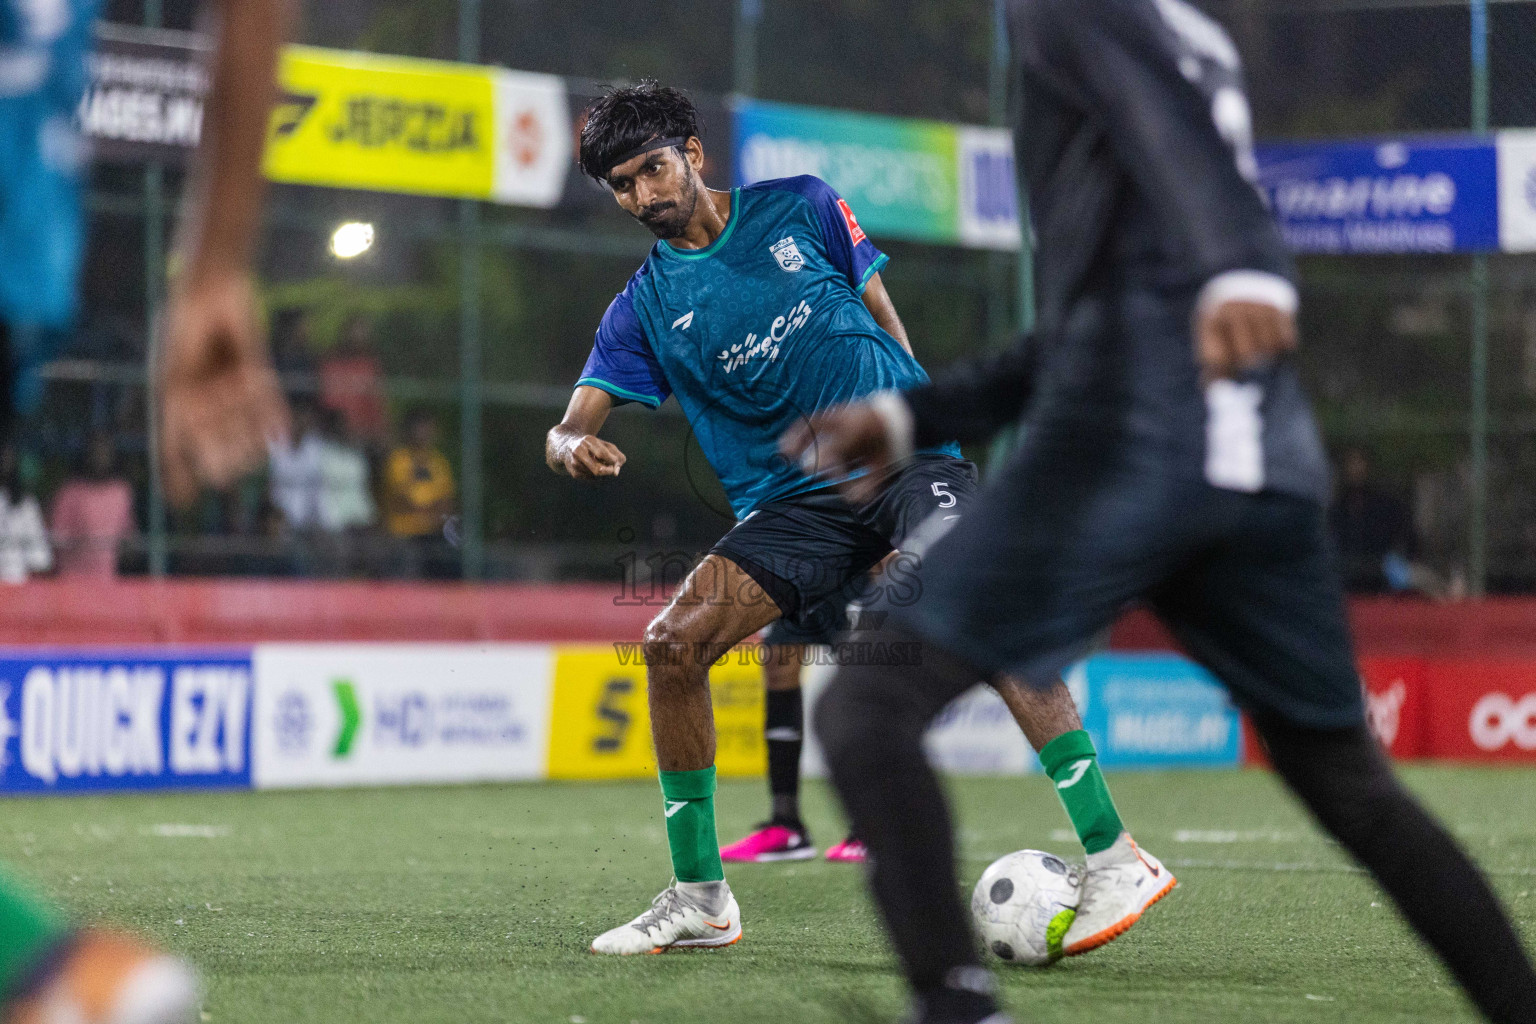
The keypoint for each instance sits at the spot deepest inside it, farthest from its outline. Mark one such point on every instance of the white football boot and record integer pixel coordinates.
(108, 978)
(1121, 883)
(674, 921)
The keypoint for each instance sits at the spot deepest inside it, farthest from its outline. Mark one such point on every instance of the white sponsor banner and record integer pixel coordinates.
(989, 201)
(380, 714)
(974, 735)
(1517, 190)
(533, 139)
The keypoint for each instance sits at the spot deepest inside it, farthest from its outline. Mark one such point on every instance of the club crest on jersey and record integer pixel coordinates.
(788, 254)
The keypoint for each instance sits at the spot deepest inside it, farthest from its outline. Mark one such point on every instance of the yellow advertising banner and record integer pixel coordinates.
(600, 724)
(358, 120)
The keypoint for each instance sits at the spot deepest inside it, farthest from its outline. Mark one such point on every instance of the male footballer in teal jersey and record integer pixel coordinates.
(219, 397)
(756, 308)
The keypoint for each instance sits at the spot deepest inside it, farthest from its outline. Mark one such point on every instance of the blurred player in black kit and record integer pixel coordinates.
(1170, 456)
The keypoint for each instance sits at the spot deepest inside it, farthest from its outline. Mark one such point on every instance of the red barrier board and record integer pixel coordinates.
(1253, 747)
(1495, 627)
(1396, 704)
(1397, 707)
(241, 611)
(1482, 710)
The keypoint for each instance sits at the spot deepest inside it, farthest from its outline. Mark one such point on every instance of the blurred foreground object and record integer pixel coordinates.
(219, 395)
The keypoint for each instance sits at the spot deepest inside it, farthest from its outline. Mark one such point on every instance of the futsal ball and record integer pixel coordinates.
(1024, 904)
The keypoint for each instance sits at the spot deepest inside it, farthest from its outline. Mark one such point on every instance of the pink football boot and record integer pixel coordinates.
(770, 843)
(849, 851)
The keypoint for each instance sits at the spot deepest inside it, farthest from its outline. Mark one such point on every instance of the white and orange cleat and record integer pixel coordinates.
(674, 922)
(1120, 884)
(109, 978)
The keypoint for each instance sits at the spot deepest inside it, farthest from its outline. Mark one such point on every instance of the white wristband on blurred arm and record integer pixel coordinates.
(1247, 286)
(896, 414)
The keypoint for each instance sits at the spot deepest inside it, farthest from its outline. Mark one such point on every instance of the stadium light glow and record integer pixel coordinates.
(351, 240)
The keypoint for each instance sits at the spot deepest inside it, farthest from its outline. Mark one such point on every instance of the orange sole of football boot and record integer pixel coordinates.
(663, 949)
(723, 945)
(1120, 927)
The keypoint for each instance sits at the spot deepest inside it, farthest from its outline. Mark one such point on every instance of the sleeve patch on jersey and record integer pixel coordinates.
(854, 231)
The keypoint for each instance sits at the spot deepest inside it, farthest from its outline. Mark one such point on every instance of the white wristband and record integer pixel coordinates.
(1247, 286)
(896, 414)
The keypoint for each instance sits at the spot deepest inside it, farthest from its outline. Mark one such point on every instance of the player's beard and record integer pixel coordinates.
(671, 221)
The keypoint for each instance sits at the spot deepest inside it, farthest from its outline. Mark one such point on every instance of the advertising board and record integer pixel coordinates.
(144, 95)
(1422, 195)
(601, 722)
(344, 119)
(925, 181)
(1396, 704)
(1157, 711)
(1517, 190)
(1483, 710)
(99, 721)
(380, 714)
(1143, 711)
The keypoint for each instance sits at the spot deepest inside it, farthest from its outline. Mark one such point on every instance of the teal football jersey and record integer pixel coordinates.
(43, 48)
(755, 333)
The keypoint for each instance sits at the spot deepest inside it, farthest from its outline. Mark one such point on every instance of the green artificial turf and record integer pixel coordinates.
(476, 904)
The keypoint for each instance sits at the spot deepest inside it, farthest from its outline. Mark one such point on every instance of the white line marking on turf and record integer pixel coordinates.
(1239, 865)
(1216, 835)
(1212, 835)
(1342, 869)
(171, 831)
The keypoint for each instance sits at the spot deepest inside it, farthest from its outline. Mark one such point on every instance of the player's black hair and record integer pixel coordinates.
(624, 119)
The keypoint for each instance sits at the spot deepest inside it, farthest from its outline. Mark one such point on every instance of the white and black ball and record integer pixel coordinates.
(1024, 904)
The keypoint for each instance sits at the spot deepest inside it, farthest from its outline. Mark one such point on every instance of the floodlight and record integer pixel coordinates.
(351, 240)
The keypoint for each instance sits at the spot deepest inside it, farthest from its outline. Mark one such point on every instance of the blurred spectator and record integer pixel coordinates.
(418, 497)
(92, 515)
(1373, 530)
(293, 349)
(347, 508)
(346, 502)
(352, 383)
(294, 471)
(23, 538)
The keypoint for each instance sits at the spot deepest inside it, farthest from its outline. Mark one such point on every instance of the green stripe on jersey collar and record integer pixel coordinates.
(668, 249)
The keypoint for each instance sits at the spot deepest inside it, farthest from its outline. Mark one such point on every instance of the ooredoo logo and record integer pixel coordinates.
(1499, 719)
(525, 138)
(1384, 712)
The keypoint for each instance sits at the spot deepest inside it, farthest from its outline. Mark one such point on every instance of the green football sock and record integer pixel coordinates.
(29, 930)
(1073, 765)
(690, 808)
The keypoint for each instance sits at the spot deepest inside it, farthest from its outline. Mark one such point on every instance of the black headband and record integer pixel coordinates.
(648, 147)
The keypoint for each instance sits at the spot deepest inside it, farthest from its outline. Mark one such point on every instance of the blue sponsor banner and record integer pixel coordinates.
(1156, 710)
(106, 720)
(1401, 196)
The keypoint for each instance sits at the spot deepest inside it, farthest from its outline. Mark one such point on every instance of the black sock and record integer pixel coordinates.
(784, 729)
(1344, 778)
(871, 722)
(968, 996)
